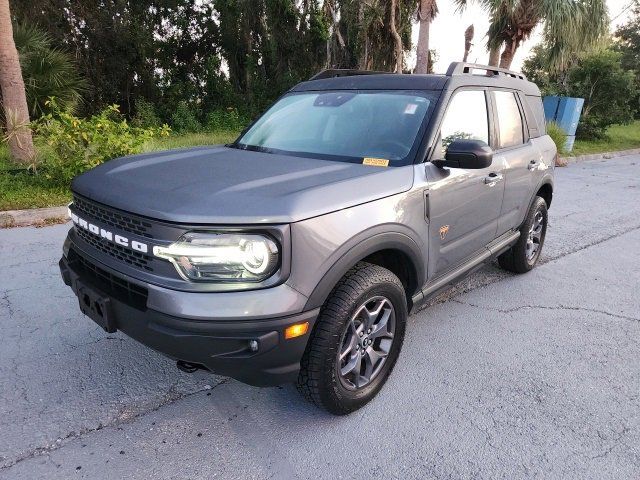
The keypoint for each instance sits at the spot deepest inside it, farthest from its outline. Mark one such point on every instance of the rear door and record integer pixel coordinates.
(521, 158)
(463, 204)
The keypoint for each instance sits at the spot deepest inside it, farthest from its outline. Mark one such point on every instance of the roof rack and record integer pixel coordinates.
(463, 68)
(342, 72)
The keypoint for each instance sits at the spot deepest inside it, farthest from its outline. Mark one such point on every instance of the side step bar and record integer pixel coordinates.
(492, 250)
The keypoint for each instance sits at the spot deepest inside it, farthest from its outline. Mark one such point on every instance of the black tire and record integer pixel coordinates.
(516, 259)
(320, 379)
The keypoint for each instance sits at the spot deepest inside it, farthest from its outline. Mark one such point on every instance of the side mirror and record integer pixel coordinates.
(469, 154)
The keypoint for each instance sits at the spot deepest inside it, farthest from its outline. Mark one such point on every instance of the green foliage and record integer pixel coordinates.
(627, 42)
(172, 51)
(608, 90)
(47, 71)
(618, 137)
(536, 68)
(569, 26)
(146, 115)
(558, 135)
(226, 120)
(184, 119)
(73, 145)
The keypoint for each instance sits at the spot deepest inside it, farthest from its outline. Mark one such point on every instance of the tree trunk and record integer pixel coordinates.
(468, 38)
(364, 39)
(16, 112)
(396, 36)
(509, 51)
(425, 17)
(494, 56)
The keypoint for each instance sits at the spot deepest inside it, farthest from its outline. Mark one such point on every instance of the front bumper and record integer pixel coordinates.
(220, 345)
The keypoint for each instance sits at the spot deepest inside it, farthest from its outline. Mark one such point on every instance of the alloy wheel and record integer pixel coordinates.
(366, 343)
(535, 237)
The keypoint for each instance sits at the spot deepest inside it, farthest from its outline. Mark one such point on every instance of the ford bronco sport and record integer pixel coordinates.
(296, 253)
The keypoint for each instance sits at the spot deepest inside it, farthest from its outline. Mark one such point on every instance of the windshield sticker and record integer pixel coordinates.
(411, 108)
(375, 162)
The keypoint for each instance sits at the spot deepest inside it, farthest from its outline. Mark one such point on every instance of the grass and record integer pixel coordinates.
(619, 137)
(190, 140)
(20, 189)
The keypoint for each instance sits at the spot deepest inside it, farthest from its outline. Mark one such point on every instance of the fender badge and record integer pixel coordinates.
(443, 231)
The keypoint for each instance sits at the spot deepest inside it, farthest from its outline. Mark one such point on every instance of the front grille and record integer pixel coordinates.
(131, 257)
(112, 285)
(116, 219)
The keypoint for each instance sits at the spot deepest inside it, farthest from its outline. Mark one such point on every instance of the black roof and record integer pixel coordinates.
(459, 74)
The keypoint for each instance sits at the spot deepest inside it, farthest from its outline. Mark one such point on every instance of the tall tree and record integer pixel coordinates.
(427, 10)
(627, 42)
(569, 25)
(14, 98)
(396, 36)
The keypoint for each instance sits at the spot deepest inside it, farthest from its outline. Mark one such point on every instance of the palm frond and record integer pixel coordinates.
(47, 71)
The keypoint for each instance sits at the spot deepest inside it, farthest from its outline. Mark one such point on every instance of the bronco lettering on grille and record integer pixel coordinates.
(107, 235)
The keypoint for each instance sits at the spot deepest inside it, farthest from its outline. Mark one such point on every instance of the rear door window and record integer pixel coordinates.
(509, 119)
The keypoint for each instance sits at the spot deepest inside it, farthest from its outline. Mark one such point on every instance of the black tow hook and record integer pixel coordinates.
(188, 367)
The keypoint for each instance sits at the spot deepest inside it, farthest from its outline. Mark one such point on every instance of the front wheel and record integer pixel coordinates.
(524, 255)
(356, 340)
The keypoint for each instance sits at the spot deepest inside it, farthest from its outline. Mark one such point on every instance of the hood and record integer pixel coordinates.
(221, 185)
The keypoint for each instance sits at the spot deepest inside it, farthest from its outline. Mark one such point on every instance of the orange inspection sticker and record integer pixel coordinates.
(375, 162)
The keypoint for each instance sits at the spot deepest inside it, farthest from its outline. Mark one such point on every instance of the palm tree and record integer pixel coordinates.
(569, 25)
(47, 71)
(427, 10)
(468, 38)
(14, 99)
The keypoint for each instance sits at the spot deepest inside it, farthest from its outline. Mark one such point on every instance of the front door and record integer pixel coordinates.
(464, 204)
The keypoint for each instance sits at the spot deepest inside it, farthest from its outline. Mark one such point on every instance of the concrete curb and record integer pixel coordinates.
(34, 216)
(601, 156)
(46, 216)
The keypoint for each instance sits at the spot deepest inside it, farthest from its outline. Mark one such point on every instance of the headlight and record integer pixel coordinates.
(222, 257)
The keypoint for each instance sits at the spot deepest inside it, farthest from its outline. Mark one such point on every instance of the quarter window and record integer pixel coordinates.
(509, 119)
(466, 118)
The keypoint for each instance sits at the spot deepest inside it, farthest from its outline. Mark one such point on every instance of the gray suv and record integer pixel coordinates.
(296, 253)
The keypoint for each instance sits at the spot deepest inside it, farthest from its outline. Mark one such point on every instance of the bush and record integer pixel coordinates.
(558, 135)
(146, 115)
(228, 120)
(608, 91)
(184, 120)
(74, 145)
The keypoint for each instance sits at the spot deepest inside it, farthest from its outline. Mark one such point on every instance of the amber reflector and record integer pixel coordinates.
(296, 330)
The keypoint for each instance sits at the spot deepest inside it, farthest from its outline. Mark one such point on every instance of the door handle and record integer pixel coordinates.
(533, 164)
(493, 178)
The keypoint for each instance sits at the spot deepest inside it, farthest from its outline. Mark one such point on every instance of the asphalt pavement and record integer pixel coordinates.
(530, 376)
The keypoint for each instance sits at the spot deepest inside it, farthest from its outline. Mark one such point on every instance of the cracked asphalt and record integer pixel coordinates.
(532, 376)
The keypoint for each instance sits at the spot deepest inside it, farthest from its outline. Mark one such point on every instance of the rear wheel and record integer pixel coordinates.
(356, 340)
(524, 255)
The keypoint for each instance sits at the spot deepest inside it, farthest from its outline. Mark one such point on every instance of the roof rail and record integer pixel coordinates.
(463, 68)
(342, 72)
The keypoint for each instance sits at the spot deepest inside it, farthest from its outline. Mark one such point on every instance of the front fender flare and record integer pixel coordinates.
(361, 246)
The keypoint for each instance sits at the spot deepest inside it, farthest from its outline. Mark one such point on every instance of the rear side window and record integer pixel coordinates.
(509, 119)
(535, 103)
(466, 117)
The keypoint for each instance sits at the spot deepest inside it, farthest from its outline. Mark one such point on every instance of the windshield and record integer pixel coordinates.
(342, 125)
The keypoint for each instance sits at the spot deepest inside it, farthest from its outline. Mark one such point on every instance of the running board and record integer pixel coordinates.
(492, 250)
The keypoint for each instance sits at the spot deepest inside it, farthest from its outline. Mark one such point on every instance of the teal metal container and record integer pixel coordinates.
(565, 111)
